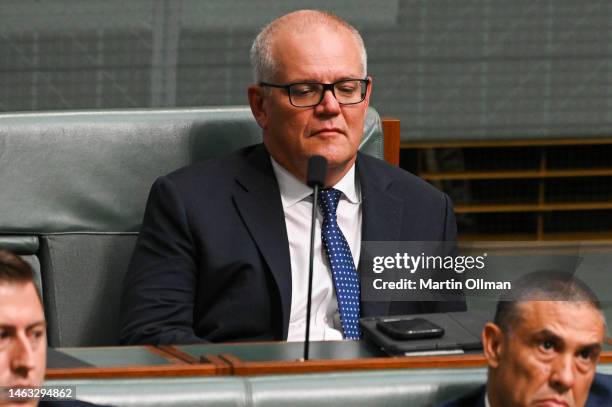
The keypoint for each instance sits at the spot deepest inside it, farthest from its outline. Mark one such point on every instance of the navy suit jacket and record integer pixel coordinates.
(212, 259)
(600, 395)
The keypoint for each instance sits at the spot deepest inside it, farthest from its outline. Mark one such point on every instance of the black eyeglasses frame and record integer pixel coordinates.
(326, 87)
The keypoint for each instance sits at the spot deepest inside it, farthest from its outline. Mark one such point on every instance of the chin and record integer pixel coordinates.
(336, 157)
(340, 162)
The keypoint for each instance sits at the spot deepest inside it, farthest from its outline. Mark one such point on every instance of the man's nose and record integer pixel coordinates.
(22, 355)
(329, 105)
(562, 375)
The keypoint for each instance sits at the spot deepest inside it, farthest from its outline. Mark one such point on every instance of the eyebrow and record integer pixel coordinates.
(32, 325)
(37, 324)
(547, 333)
(310, 80)
(594, 348)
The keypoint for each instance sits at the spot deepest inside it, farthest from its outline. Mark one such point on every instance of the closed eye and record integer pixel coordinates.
(303, 89)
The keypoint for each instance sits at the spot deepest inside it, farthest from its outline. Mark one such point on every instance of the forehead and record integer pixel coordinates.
(320, 53)
(19, 304)
(572, 321)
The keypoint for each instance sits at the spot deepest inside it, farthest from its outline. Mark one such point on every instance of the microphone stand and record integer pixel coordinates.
(315, 178)
(315, 198)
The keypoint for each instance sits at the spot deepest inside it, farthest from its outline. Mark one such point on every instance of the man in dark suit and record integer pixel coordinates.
(543, 347)
(23, 338)
(600, 395)
(223, 250)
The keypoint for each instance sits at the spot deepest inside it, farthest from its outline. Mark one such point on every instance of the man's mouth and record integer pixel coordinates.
(328, 131)
(552, 402)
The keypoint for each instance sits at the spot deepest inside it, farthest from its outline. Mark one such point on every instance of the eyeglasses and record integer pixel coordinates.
(308, 94)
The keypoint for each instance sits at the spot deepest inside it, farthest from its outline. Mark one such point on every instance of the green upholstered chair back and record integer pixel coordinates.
(73, 190)
(391, 388)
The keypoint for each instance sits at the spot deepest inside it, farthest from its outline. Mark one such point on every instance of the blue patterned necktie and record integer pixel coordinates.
(343, 269)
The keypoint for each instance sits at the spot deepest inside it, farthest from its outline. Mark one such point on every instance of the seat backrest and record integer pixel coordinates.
(73, 191)
(391, 388)
(401, 388)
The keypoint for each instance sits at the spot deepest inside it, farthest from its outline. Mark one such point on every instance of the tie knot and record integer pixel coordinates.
(328, 201)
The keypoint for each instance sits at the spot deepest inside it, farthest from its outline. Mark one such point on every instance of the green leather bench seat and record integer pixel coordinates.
(177, 392)
(74, 187)
(20, 244)
(390, 388)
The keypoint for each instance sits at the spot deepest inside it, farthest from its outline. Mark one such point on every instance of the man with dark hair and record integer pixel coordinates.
(23, 335)
(543, 346)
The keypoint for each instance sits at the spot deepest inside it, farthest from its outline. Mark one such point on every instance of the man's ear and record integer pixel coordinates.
(256, 101)
(493, 344)
(368, 93)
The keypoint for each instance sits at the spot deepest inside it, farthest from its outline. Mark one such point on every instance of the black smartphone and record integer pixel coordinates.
(410, 328)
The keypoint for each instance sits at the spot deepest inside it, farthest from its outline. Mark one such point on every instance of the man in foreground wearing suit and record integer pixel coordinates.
(543, 348)
(23, 337)
(223, 250)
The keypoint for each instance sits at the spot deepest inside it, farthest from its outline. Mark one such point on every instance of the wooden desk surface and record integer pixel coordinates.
(242, 359)
(128, 361)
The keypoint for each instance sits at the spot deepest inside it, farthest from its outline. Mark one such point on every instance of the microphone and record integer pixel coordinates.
(315, 178)
(317, 169)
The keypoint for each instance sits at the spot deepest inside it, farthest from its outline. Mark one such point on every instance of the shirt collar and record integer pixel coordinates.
(293, 190)
(349, 186)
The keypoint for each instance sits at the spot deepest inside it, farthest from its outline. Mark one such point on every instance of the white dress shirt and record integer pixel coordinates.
(297, 206)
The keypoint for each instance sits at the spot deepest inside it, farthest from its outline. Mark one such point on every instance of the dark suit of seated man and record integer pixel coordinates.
(223, 250)
(543, 347)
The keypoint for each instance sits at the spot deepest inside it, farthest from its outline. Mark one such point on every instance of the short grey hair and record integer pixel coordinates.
(262, 61)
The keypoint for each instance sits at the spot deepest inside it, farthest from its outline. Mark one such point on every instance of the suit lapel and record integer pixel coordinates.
(257, 198)
(382, 216)
(382, 211)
